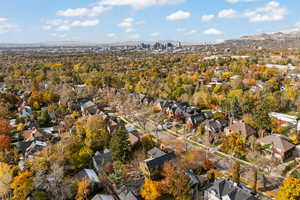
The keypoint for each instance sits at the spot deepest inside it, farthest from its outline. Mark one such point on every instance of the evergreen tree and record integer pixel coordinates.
(119, 145)
(236, 111)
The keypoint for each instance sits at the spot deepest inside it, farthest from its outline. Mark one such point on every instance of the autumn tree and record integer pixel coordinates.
(6, 176)
(83, 189)
(236, 172)
(22, 185)
(151, 190)
(119, 145)
(234, 144)
(290, 190)
(4, 142)
(176, 182)
(254, 185)
(235, 109)
(5, 127)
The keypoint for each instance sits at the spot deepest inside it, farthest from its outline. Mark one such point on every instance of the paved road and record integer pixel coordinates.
(221, 163)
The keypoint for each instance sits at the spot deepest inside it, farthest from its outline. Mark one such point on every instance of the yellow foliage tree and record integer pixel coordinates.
(5, 177)
(290, 190)
(22, 185)
(151, 190)
(83, 189)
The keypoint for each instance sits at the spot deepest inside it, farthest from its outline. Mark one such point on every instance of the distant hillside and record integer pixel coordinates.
(289, 35)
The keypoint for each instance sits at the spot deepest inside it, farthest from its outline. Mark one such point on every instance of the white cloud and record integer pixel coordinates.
(191, 32)
(297, 24)
(111, 35)
(237, 1)
(59, 35)
(6, 26)
(83, 12)
(178, 15)
(134, 36)
(227, 13)
(129, 23)
(66, 25)
(155, 34)
(271, 12)
(213, 31)
(206, 18)
(139, 4)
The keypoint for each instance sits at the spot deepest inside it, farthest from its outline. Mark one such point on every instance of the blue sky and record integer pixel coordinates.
(126, 20)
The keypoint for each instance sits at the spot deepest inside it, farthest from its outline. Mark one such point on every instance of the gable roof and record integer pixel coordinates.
(154, 163)
(89, 174)
(102, 197)
(155, 152)
(226, 188)
(99, 159)
(242, 128)
(280, 142)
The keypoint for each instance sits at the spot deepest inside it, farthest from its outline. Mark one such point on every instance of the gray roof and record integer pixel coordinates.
(155, 152)
(226, 188)
(103, 197)
(100, 159)
(154, 163)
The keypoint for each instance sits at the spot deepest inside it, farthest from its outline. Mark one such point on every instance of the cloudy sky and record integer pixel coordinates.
(26, 21)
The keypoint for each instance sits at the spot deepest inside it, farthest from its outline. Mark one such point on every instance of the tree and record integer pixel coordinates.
(235, 109)
(148, 142)
(235, 144)
(290, 190)
(262, 118)
(5, 127)
(254, 186)
(45, 118)
(22, 185)
(119, 145)
(4, 142)
(83, 189)
(6, 173)
(176, 182)
(151, 190)
(236, 172)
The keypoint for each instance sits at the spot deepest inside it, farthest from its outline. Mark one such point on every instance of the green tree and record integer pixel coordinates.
(235, 109)
(119, 145)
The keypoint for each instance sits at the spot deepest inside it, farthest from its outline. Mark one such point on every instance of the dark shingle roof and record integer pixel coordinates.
(224, 187)
(154, 163)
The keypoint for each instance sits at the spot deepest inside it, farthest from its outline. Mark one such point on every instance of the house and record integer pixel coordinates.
(284, 119)
(225, 189)
(100, 159)
(241, 128)
(193, 121)
(26, 112)
(133, 136)
(22, 146)
(34, 147)
(280, 147)
(33, 134)
(155, 153)
(215, 126)
(152, 166)
(89, 108)
(103, 197)
(89, 174)
(130, 190)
